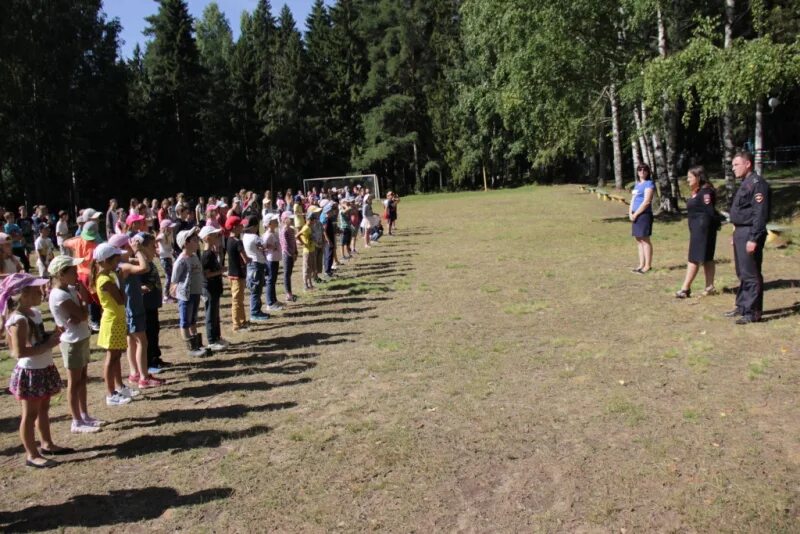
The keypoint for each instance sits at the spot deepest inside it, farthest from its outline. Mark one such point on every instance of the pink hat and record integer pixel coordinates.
(286, 214)
(166, 223)
(13, 284)
(4, 238)
(211, 207)
(133, 218)
(119, 240)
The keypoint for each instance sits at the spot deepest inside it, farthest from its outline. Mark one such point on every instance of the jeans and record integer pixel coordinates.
(187, 311)
(327, 262)
(272, 279)
(213, 331)
(288, 266)
(166, 264)
(152, 330)
(255, 283)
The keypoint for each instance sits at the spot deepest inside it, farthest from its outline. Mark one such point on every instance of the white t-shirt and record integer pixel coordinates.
(272, 245)
(62, 229)
(44, 247)
(164, 249)
(252, 247)
(40, 361)
(72, 332)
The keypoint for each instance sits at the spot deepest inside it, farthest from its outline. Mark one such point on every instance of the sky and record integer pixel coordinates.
(131, 14)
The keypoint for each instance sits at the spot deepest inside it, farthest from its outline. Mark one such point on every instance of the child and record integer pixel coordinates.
(237, 271)
(9, 263)
(35, 378)
(187, 286)
(318, 236)
(272, 246)
(62, 230)
(212, 291)
(165, 251)
(256, 267)
(44, 253)
(113, 332)
(289, 253)
(344, 226)
(68, 304)
(152, 295)
(309, 250)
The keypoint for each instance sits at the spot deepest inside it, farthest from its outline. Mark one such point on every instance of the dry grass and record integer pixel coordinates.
(495, 367)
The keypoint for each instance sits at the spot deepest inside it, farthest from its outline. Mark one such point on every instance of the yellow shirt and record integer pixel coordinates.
(304, 235)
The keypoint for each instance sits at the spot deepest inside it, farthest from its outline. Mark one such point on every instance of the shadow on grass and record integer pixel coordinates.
(318, 309)
(103, 510)
(199, 414)
(212, 389)
(768, 285)
(288, 368)
(171, 443)
(297, 341)
(682, 266)
(780, 313)
(247, 361)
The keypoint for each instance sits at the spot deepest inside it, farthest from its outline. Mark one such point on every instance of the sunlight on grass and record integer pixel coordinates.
(525, 308)
(757, 368)
(387, 345)
(633, 414)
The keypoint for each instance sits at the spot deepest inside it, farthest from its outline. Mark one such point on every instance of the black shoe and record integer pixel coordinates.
(683, 294)
(732, 313)
(746, 319)
(45, 465)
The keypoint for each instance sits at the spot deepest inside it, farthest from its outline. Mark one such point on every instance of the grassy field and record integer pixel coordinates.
(494, 367)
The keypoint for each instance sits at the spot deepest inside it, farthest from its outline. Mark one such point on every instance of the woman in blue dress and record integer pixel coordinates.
(641, 216)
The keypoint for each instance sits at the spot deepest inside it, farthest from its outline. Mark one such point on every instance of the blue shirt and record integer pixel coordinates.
(11, 228)
(638, 194)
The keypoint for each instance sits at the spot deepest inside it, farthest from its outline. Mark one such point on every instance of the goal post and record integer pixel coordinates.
(339, 182)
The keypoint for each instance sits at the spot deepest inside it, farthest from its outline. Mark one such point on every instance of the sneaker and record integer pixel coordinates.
(241, 329)
(128, 392)
(117, 399)
(197, 353)
(275, 307)
(91, 421)
(150, 382)
(81, 427)
(222, 342)
(133, 379)
(216, 346)
(95, 327)
(259, 317)
(154, 370)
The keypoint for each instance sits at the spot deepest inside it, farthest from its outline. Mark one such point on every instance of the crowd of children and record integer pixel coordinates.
(113, 286)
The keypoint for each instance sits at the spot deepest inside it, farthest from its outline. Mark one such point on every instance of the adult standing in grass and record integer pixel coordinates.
(703, 226)
(641, 215)
(749, 215)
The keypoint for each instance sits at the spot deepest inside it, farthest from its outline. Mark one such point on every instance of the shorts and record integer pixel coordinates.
(187, 311)
(76, 355)
(347, 236)
(643, 225)
(42, 269)
(136, 323)
(34, 384)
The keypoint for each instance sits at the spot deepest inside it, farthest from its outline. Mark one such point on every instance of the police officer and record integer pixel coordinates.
(749, 215)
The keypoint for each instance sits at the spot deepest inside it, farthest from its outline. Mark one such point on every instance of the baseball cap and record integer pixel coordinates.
(211, 207)
(105, 251)
(89, 232)
(59, 263)
(231, 222)
(207, 231)
(133, 218)
(119, 240)
(166, 223)
(286, 215)
(271, 217)
(90, 213)
(141, 237)
(184, 235)
(13, 284)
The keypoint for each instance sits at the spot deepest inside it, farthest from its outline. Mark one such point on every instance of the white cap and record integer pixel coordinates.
(207, 231)
(270, 217)
(89, 213)
(105, 251)
(184, 236)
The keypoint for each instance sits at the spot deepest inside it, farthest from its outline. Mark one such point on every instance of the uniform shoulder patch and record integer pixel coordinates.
(759, 198)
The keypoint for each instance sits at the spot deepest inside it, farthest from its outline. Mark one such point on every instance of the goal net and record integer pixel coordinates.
(340, 182)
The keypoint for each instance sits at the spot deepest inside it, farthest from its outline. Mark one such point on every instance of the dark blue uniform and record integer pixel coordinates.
(749, 214)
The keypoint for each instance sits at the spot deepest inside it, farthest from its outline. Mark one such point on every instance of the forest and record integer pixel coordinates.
(428, 94)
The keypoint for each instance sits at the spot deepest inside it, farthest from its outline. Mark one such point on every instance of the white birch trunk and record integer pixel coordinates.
(615, 136)
(727, 118)
(759, 137)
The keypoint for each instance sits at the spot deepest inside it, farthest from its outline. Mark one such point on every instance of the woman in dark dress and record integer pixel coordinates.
(703, 226)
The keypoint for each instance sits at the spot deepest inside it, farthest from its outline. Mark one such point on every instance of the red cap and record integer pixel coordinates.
(232, 221)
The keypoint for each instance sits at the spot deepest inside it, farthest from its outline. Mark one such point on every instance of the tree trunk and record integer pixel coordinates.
(669, 194)
(727, 117)
(759, 137)
(643, 145)
(485, 183)
(602, 149)
(615, 135)
(417, 177)
(635, 156)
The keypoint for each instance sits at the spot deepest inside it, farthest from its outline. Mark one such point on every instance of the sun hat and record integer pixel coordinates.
(89, 232)
(105, 251)
(211, 207)
(61, 262)
(232, 222)
(119, 240)
(89, 213)
(271, 217)
(166, 223)
(207, 231)
(133, 218)
(13, 284)
(185, 235)
(4, 238)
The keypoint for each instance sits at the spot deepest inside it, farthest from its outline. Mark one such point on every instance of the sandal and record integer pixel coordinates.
(683, 294)
(637, 270)
(710, 290)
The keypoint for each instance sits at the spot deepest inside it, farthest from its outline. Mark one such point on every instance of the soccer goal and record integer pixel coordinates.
(339, 182)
